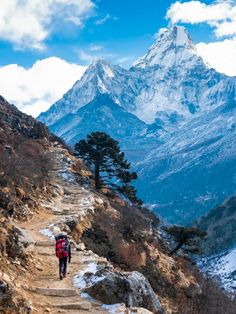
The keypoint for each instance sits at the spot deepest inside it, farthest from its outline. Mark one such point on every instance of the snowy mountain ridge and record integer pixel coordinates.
(161, 88)
(162, 53)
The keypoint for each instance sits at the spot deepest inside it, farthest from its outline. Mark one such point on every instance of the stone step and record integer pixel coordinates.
(53, 292)
(86, 306)
(45, 243)
(46, 253)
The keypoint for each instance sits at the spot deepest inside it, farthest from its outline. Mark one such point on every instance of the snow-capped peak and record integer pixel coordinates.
(103, 68)
(173, 46)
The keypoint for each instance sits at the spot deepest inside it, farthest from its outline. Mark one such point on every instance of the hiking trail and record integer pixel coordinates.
(42, 287)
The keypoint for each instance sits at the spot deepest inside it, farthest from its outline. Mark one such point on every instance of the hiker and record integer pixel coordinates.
(63, 253)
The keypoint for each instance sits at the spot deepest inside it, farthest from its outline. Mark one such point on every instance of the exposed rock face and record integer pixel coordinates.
(25, 239)
(131, 288)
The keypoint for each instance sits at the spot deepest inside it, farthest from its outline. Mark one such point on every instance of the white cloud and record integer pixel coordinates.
(28, 23)
(105, 19)
(94, 47)
(33, 90)
(220, 55)
(220, 15)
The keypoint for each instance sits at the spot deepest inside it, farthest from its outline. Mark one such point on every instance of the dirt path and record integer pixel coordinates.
(42, 287)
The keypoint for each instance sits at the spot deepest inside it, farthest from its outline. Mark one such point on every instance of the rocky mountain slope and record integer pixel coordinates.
(180, 122)
(115, 245)
(194, 170)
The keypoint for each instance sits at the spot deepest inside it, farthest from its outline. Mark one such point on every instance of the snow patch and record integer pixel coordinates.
(79, 280)
(113, 308)
(222, 267)
(182, 36)
(48, 232)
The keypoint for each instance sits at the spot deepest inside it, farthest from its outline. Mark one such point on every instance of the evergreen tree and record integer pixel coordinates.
(186, 238)
(103, 156)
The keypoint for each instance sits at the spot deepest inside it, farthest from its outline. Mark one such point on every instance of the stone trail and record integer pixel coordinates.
(46, 292)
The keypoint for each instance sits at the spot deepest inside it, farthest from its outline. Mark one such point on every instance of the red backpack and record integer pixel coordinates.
(62, 248)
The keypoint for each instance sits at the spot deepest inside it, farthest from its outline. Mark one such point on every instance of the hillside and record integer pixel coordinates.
(118, 249)
(220, 224)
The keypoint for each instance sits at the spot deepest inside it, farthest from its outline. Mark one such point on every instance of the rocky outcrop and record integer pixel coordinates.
(131, 288)
(20, 122)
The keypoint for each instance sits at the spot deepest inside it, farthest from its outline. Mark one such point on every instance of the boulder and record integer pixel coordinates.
(131, 288)
(25, 240)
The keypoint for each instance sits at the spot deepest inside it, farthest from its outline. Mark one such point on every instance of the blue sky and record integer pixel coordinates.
(122, 30)
(45, 46)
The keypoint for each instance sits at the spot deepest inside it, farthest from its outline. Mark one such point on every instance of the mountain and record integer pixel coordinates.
(194, 170)
(184, 115)
(101, 77)
(164, 85)
(103, 114)
(180, 85)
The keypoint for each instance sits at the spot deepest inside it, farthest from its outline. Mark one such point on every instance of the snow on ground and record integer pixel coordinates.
(79, 280)
(113, 308)
(48, 232)
(222, 267)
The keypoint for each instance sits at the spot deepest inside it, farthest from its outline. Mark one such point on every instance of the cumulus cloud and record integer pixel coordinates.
(28, 23)
(33, 90)
(220, 15)
(220, 55)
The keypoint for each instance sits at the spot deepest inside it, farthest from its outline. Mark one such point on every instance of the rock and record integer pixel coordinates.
(131, 288)
(55, 292)
(86, 306)
(5, 278)
(80, 247)
(99, 201)
(25, 239)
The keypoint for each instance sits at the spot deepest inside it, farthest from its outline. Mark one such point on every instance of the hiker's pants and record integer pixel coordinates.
(63, 265)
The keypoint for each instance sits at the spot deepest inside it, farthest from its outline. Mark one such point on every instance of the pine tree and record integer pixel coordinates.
(188, 239)
(103, 156)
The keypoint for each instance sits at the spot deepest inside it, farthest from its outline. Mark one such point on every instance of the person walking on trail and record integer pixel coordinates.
(63, 253)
